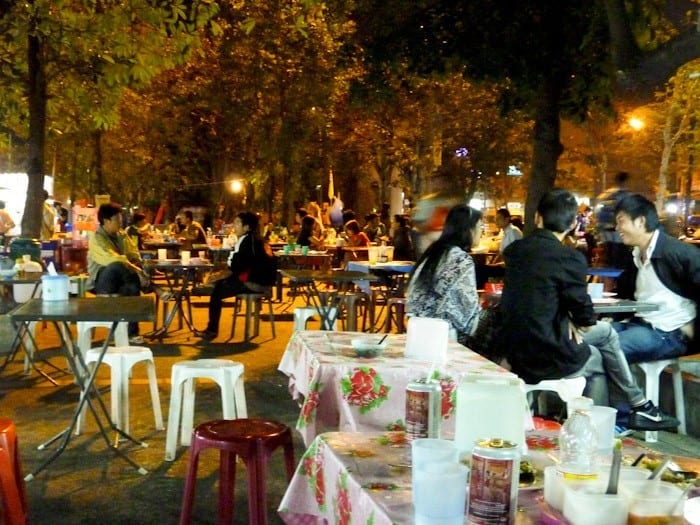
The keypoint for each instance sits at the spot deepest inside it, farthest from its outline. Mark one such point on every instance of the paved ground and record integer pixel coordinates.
(87, 484)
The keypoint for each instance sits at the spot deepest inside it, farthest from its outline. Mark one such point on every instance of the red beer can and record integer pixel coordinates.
(423, 415)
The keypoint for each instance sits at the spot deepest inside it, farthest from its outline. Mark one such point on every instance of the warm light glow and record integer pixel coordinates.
(236, 186)
(636, 123)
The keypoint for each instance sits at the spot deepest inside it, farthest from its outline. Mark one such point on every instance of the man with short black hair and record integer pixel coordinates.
(510, 232)
(114, 262)
(550, 330)
(664, 271)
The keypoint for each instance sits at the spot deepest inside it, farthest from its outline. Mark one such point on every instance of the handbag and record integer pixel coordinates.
(219, 275)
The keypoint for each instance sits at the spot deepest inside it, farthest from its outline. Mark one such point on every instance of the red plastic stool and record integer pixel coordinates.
(254, 440)
(12, 491)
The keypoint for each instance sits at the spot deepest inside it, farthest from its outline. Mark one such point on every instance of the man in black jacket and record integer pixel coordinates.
(252, 266)
(664, 271)
(550, 330)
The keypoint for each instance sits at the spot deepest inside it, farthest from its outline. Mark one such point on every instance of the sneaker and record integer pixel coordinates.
(649, 417)
(136, 340)
(206, 335)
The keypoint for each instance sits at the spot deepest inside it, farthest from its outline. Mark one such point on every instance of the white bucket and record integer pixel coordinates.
(55, 287)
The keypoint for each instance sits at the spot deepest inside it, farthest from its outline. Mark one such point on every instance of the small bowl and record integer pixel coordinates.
(366, 347)
(8, 273)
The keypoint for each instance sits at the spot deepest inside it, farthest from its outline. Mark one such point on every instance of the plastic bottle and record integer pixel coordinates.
(210, 235)
(578, 442)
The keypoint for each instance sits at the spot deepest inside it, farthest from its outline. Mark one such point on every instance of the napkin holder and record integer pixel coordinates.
(55, 287)
(490, 406)
(426, 339)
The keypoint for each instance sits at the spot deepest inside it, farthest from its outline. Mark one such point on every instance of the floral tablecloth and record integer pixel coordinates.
(351, 478)
(339, 391)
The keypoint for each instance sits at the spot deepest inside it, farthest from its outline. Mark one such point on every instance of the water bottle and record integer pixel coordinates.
(578, 442)
(210, 236)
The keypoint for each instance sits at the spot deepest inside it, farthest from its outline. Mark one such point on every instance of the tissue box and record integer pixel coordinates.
(55, 287)
(426, 339)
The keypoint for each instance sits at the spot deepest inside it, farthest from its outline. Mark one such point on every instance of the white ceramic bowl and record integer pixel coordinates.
(8, 273)
(367, 346)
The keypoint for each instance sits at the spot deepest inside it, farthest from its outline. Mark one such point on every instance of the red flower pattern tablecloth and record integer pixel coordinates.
(339, 391)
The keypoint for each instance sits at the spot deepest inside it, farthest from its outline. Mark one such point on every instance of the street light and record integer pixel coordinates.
(237, 186)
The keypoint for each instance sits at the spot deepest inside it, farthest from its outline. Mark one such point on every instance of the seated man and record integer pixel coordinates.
(548, 320)
(193, 231)
(664, 271)
(114, 262)
(252, 266)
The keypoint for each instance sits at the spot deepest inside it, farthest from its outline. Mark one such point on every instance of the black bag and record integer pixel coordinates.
(484, 340)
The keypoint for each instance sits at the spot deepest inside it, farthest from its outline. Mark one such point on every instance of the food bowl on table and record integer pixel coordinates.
(367, 346)
(8, 273)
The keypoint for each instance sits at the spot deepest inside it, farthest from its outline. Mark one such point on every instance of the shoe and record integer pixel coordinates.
(136, 340)
(206, 335)
(622, 431)
(649, 417)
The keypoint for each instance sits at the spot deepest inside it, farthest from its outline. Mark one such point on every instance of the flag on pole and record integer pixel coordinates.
(331, 188)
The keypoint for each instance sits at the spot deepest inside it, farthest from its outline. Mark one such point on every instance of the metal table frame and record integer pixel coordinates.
(99, 309)
(325, 301)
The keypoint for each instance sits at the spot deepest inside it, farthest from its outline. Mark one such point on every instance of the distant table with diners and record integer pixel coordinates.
(61, 314)
(340, 391)
(179, 278)
(172, 247)
(329, 298)
(352, 477)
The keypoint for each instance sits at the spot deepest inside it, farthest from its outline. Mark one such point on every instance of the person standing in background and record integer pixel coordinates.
(510, 232)
(616, 254)
(48, 219)
(6, 222)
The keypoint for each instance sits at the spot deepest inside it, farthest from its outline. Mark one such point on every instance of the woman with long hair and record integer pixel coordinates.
(443, 282)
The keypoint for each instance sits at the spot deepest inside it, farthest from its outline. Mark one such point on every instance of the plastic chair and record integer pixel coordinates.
(227, 374)
(253, 304)
(566, 388)
(302, 316)
(652, 373)
(121, 359)
(395, 311)
(254, 441)
(12, 491)
(84, 333)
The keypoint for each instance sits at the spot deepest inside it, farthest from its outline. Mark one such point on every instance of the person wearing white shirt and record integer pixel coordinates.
(510, 232)
(663, 271)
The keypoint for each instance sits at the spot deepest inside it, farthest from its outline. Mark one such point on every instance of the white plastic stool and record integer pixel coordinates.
(566, 388)
(302, 316)
(227, 374)
(84, 332)
(652, 372)
(121, 359)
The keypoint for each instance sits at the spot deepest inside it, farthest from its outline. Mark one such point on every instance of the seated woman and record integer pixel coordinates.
(401, 239)
(356, 237)
(443, 282)
(252, 266)
(310, 234)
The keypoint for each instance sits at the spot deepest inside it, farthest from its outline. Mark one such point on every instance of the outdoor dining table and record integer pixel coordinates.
(594, 272)
(328, 301)
(359, 478)
(339, 391)
(61, 314)
(179, 279)
(612, 305)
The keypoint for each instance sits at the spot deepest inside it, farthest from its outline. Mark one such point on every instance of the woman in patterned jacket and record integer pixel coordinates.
(443, 282)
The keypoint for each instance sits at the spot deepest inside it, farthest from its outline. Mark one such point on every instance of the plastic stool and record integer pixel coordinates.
(254, 440)
(302, 316)
(652, 372)
(121, 359)
(252, 313)
(398, 304)
(566, 388)
(12, 491)
(84, 333)
(227, 374)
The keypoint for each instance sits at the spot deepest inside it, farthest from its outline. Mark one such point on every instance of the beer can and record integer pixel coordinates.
(423, 415)
(493, 485)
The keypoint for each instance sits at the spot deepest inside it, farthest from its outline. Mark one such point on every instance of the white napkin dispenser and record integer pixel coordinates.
(55, 287)
(490, 406)
(426, 339)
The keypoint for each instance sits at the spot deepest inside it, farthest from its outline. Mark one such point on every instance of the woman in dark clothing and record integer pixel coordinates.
(252, 266)
(403, 245)
(309, 235)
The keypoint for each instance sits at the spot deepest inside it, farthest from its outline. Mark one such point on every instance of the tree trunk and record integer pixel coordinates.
(31, 220)
(546, 149)
(625, 51)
